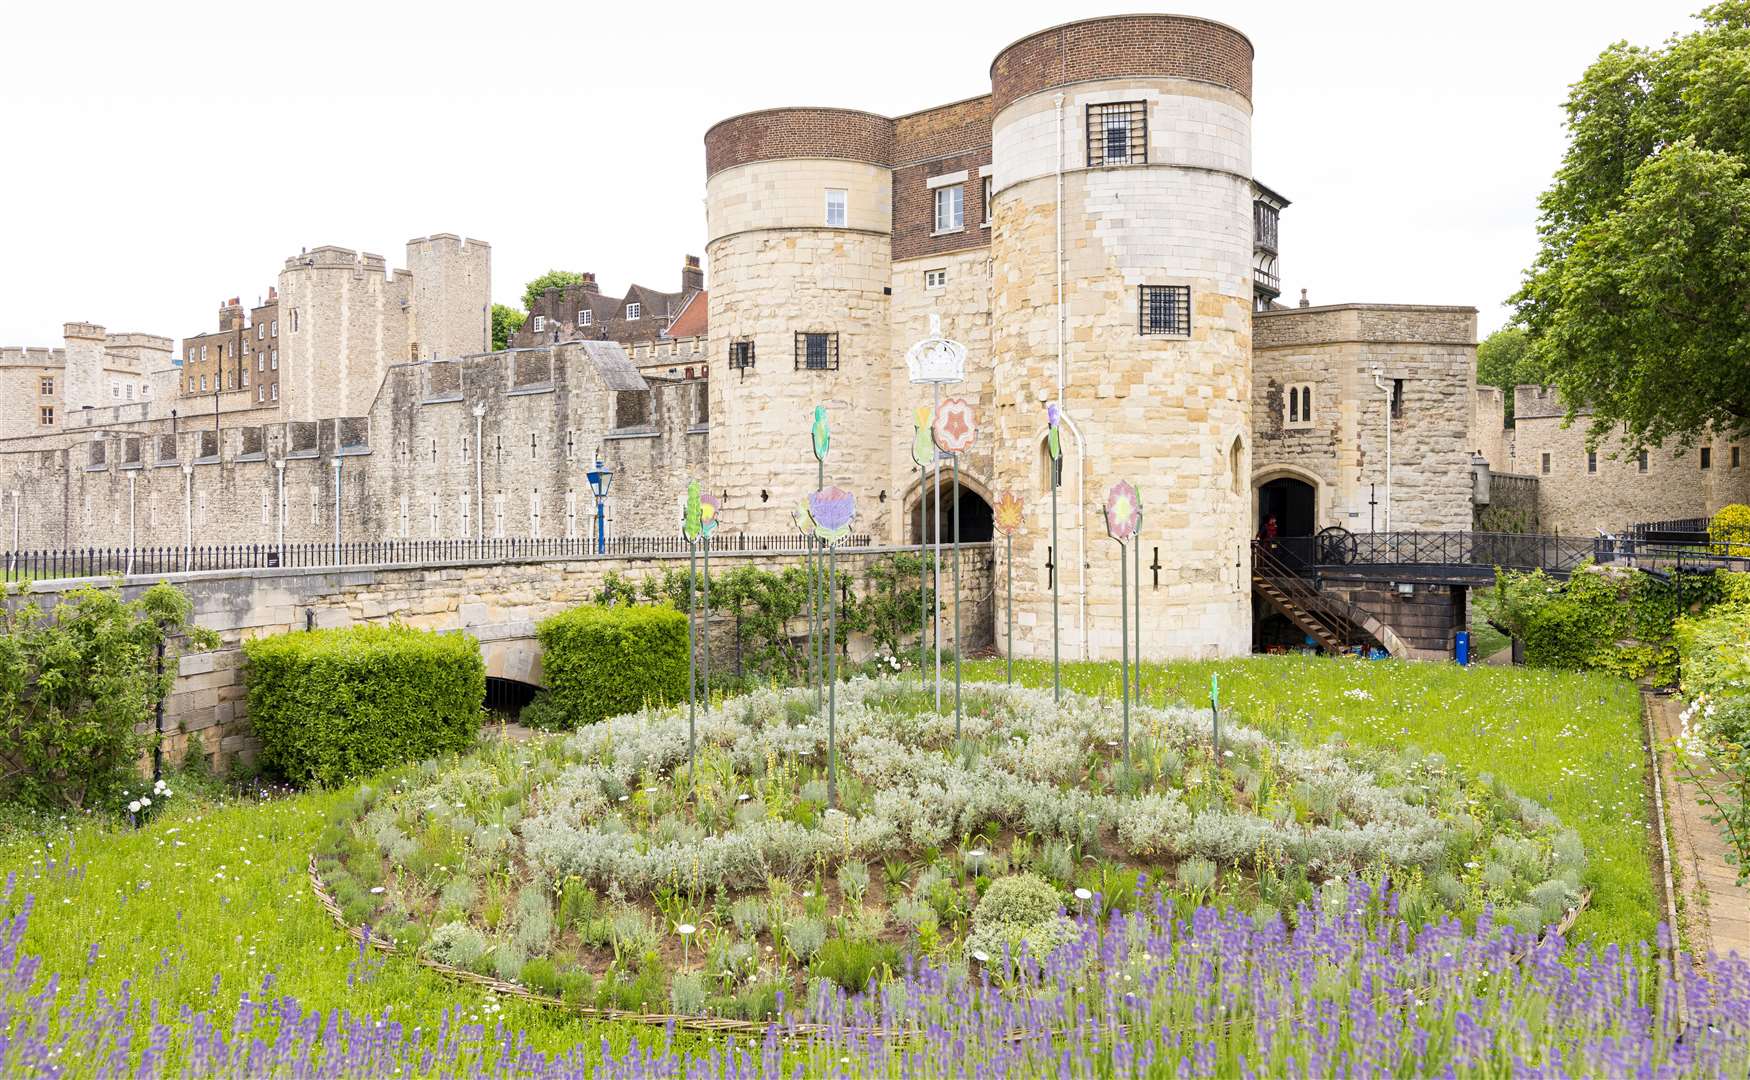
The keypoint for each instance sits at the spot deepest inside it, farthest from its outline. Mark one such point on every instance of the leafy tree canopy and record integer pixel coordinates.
(506, 320)
(1499, 360)
(1638, 303)
(550, 279)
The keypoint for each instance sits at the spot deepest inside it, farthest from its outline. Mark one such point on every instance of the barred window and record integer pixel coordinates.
(1118, 133)
(741, 356)
(1164, 311)
(817, 352)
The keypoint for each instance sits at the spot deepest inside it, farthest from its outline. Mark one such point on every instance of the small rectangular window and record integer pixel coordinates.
(634, 312)
(245, 378)
(261, 392)
(294, 320)
(986, 195)
(46, 415)
(951, 208)
(540, 323)
(741, 356)
(585, 317)
(1641, 463)
(191, 384)
(261, 361)
(1707, 457)
(274, 392)
(1118, 133)
(261, 331)
(47, 386)
(1546, 463)
(203, 382)
(1299, 406)
(935, 279)
(274, 360)
(1164, 310)
(835, 207)
(817, 352)
(274, 328)
(1397, 402)
(1734, 457)
(1591, 461)
(203, 354)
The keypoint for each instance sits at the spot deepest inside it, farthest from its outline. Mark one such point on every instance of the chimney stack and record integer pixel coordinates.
(692, 277)
(1303, 300)
(588, 284)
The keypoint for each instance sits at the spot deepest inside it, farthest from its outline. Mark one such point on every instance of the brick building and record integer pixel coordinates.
(241, 355)
(582, 312)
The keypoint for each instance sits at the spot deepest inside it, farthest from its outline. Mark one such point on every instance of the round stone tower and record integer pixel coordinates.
(1121, 249)
(799, 216)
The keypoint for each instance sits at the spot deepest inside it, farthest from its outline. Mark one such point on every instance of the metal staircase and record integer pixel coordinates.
(1324, 618)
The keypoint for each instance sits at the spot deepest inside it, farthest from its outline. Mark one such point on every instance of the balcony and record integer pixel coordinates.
(1265, 219)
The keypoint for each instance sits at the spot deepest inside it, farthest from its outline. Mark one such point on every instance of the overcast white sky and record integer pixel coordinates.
(159, 159)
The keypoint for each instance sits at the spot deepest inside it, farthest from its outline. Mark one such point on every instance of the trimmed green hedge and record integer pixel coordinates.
(329, 705)
(604, 661)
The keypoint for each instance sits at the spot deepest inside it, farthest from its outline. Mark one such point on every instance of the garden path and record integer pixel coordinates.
(1709, 880)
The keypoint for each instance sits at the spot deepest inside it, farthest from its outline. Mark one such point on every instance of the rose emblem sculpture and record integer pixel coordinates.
(1123, 511)
(955, 425)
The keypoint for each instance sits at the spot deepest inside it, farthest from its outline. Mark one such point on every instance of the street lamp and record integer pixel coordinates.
(599, 478)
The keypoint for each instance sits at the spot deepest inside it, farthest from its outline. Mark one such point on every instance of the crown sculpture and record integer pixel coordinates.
(935, 359)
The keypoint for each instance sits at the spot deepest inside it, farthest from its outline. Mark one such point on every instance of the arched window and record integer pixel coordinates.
(1297, 406)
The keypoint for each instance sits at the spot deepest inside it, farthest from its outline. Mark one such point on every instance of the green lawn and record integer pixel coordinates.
(221, 893)
(1570, 740)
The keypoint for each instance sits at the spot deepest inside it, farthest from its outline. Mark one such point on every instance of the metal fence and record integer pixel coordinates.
(1445, 550)
(107, 562)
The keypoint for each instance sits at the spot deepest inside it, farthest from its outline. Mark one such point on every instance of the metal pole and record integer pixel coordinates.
(813, 627)
(1009, 561)
(923, 584)
(1124, 643)
(1056, 567)
(936, 495)
(832, 599)
(601, 526)
(1136, 599)
(692, 657)
(158, 715)
(955, 462)
(705, 624)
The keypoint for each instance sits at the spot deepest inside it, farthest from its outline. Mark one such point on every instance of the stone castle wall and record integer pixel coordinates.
(1609, 489)
(1336, 350)
(409, 468)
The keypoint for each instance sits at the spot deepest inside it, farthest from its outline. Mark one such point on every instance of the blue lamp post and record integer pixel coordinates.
(599, 479)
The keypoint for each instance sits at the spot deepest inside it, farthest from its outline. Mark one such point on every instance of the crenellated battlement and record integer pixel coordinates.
(83, 331)
(32, 356)
(122, 339)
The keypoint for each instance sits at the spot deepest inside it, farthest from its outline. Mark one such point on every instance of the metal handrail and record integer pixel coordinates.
(1337, 615)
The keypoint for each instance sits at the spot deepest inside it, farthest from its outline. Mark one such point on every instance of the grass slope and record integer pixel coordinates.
(204, 904)
(1570, 740)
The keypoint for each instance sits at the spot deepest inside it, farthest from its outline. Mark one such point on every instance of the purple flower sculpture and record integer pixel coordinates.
(832, 509)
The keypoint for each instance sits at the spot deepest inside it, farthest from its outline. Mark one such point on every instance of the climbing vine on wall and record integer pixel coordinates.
(1602, 619)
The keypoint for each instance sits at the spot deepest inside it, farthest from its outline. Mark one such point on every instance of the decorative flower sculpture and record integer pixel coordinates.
(1053, 444)
(709, 507)
(803, 518)
(923, 446)
(1008, 513)
(832, 509)
(692, 514)
(1123, 511)
(822, 433)
(954, 425)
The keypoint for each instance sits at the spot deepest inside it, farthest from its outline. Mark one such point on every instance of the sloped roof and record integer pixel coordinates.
(692, 320)
(612, 364)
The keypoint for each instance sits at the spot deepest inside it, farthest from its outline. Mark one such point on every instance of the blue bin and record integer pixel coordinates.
(1461, 648)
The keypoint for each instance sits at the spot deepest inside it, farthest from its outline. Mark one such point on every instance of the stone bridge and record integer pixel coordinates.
(499, 602)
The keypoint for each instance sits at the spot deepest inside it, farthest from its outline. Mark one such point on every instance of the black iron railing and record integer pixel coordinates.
(1278, 565)
(108, 562)
(1512, 551)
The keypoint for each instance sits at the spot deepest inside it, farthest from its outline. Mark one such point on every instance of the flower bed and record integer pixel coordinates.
(590, 867)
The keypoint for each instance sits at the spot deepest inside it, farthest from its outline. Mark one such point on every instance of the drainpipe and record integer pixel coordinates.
(187, 514)
(15, 497)
(1379, 384)
(279, 467)
(1080, 525)
(337, 464)
(479, 456)
(131, 526)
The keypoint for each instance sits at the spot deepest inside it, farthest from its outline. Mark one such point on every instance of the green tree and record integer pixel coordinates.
(1635, 303)
(78, 686)
(506, 321)
(1498, 362)
(551, 279)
